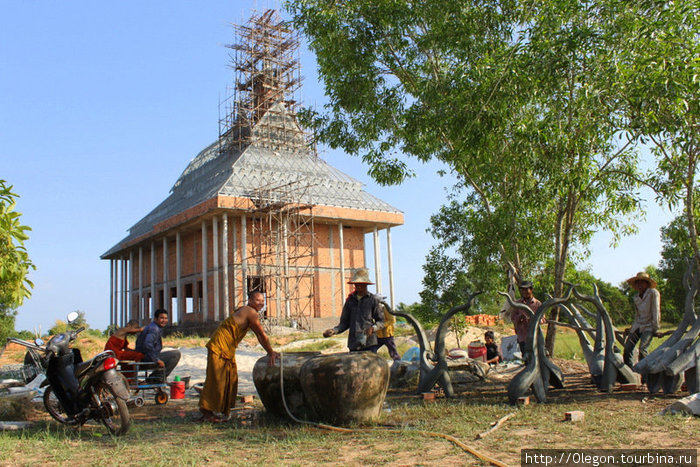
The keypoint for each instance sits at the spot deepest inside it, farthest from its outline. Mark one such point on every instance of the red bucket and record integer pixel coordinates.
(177, 390)
(477, 351)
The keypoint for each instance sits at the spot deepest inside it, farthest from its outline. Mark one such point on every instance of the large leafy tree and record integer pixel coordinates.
(511, 95)
(659, 79)
(14, 261)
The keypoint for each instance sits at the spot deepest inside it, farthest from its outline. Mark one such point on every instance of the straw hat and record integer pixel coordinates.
(360, 276)
(642, 276)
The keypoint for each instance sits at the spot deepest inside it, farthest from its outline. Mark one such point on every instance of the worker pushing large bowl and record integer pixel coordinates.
(345, 387)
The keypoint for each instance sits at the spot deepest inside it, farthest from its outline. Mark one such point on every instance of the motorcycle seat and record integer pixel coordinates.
(81, 368)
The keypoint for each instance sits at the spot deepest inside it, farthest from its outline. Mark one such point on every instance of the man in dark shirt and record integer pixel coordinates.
(150, 344)
(362, 315)
(493, 353)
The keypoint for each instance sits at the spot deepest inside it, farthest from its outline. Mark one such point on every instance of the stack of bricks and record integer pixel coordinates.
(483, 320)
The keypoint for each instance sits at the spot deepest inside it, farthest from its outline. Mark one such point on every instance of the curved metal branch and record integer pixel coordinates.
(514, 304)
(613, 367)
(430, 373)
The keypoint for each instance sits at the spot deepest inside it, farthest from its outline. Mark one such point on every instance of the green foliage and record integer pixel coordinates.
(676, 255)
(511, 95)
(14, 260)
(25, 335)
(80, 321)
(58, 328)
(61, 326)
(617, 300)
(659, 78)
(445, 286)
(7, 326)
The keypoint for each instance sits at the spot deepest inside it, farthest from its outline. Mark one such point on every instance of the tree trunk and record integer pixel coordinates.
(561, 247)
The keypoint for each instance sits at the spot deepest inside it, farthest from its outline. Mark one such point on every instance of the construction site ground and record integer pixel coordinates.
(408, 432)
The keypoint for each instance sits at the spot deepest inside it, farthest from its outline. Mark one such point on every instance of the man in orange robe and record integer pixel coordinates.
(221, 383)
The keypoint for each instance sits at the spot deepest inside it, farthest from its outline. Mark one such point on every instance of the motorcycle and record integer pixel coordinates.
(77, 391)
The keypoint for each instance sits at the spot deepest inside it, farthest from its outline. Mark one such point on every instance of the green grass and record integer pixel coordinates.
(567, 345)
(316, 346)
(406, 435)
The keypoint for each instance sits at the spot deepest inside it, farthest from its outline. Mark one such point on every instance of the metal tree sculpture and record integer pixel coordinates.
(433, 365)
(540, 372)
(593, 354)
(614, 368)
(681, 351)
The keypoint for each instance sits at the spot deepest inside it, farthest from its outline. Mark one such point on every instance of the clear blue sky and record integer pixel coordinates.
(103, 104)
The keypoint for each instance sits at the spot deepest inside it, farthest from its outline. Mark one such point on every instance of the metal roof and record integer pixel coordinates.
(255, 167)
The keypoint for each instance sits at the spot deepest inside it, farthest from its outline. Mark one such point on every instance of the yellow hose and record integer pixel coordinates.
(450, 438)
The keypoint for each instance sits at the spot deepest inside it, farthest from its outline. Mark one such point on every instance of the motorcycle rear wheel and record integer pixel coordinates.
(55, 409)
(113, 412)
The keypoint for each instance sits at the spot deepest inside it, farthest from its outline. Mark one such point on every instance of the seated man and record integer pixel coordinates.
(493, 352)
(150, 344)
(119, 344)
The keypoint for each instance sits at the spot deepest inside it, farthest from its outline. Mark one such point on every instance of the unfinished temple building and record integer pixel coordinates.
(255, 210)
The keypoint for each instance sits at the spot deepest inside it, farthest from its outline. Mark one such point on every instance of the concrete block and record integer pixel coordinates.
(574, 416)
(525, 400)
(247, 399)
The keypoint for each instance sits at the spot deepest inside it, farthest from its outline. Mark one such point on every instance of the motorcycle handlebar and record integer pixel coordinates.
(26, 344)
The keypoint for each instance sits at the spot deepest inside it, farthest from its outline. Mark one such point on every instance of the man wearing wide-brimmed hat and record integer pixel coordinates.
(362, 315)
(520, 318)
(647, 303)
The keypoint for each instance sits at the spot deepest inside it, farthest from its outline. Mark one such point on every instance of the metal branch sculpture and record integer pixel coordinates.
(540, 372)
(679, 352)
(593, 354)
(433, 365)
(614, 368)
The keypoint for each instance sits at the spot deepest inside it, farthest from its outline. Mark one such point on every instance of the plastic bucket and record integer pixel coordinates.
(477, 351)
(177, 390)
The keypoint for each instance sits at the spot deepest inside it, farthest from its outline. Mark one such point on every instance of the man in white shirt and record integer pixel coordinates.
(647, 303)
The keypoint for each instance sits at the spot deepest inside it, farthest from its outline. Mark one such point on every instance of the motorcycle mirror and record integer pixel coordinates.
(39, 342)
(72, 316)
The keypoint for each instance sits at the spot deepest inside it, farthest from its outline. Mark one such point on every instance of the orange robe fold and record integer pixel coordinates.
(221, 384)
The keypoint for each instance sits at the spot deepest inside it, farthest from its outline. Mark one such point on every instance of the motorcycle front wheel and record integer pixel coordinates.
(55, 409)
(113, 411)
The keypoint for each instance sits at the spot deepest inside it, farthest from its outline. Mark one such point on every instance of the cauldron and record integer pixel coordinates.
(267, 383)
(339, 388)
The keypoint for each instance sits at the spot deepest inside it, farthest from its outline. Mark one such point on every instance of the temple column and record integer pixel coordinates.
(234, 250)
(132, 292)
(178, 276)
(166, 288)
(217, 272)
(224, 255)
(342, 263)
(377, 262)
(112, 293)
(244, 258)
(391, 267)
(205, 267)
(152, 301)
(140, 307)
(334, 305)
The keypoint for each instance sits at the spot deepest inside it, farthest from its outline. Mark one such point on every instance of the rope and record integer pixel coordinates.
(450, 438)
